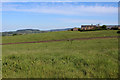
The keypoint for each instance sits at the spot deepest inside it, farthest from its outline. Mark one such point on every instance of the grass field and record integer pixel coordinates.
(57, 36)
(97, 58)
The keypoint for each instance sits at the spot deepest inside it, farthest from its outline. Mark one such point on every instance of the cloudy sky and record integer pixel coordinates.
(56, 15)
(60, 0)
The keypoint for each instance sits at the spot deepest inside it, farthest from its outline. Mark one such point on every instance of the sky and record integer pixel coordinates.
(56, 15)
(60, 0)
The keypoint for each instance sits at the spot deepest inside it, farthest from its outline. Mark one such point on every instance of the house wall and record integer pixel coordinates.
(75, 29)
(118, 27)
(87, 27)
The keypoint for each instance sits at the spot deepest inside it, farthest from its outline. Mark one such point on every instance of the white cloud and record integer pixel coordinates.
(60, 0)
(64, 9)
(86, 21)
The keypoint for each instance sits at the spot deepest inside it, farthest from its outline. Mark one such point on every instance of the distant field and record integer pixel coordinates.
(97, 58)
(57, 36)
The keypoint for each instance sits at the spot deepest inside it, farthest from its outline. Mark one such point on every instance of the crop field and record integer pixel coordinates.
(95, 58)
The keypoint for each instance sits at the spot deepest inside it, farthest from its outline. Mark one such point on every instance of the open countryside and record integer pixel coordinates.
(59, 40)
(94, 58)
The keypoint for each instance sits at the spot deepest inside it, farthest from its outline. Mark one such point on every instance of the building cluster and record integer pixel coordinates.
(88, 27)
(91, 27)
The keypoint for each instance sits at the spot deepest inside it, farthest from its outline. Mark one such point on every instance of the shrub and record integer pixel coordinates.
(118, 32)
(114, 28)
(14, 34)
(104, 27)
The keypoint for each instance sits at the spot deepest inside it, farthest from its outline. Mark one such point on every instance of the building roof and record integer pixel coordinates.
(88, 25)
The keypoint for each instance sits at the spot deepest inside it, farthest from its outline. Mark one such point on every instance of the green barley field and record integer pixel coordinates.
(95, 58)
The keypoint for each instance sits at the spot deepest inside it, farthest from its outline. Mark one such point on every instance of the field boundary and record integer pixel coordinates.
(106, 37)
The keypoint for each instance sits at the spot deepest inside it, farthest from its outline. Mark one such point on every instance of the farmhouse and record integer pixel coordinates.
(75, 29)
(118, 26)
(88, 27)
(112, 27)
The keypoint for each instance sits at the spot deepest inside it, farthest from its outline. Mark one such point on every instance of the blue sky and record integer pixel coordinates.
(60, 0)
(56, 15)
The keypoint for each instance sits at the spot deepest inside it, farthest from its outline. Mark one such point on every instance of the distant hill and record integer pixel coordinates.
(30, 31)
(60, 29)
(22, 31)
(25, 31)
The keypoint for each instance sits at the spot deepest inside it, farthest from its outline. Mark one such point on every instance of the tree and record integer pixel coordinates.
(104, 27)
(14, 34)
(71, 29)
(79, 29)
